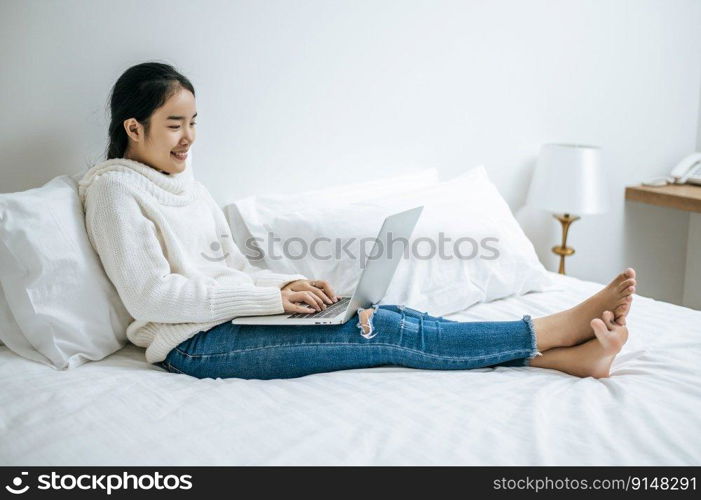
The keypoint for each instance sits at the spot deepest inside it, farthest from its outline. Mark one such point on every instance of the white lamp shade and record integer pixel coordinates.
(568, 179)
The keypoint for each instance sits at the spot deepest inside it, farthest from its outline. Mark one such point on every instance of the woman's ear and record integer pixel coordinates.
(133, 128)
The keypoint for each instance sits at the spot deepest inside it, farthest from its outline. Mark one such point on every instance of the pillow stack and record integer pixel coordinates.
(57, 305)
(466, 248)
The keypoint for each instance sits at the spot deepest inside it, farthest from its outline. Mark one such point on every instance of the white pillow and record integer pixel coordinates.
(65, 306)
(468, 206)
(12, 336)
(8, 325)
(316, 199)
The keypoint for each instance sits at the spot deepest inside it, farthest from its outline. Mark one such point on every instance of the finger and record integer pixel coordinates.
(305, 309)
(293, 305)
(312, 300)
(297, 298)
(319, 293)
(329, 291)
(318, 300)
(299, 301)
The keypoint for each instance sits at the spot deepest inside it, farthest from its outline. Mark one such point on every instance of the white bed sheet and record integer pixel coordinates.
(122, 410)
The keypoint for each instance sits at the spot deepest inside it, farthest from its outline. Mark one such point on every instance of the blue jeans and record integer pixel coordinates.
(398, 335)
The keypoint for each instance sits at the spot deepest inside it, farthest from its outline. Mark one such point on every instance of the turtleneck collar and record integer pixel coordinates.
(173, 189)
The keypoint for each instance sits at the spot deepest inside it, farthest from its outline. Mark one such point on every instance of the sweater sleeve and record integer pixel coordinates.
(128, 245)
(261, 277)
(265, 277)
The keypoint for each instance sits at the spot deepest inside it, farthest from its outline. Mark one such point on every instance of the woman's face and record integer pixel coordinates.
(172, 130)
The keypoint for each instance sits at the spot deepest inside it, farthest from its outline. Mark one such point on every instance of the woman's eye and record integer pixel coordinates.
(176, 127)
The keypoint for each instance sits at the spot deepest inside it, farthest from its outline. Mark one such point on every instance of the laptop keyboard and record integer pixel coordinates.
(329, 312)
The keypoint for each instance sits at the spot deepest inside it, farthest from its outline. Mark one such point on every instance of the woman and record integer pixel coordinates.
(165, 245)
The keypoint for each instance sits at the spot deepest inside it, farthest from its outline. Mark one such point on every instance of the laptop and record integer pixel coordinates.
(373, 283)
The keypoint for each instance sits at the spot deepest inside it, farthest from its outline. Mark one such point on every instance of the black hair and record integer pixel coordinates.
(137, 94)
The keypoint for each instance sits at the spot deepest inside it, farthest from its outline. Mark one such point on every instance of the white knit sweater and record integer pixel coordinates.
(166, 246)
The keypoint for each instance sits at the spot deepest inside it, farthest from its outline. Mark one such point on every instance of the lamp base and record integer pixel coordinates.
(563, 250)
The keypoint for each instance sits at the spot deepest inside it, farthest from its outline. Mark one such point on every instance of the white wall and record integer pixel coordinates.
(698, 138)
(297, 94)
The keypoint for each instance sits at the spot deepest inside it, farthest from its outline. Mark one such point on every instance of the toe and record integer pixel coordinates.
(627, 275)
(625, 284)
(600, 329)
(620, 314)
(608, 318)
(618, 280)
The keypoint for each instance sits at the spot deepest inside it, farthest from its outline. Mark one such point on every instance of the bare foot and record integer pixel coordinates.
(610, 337)
(573, 326)
(592, 358)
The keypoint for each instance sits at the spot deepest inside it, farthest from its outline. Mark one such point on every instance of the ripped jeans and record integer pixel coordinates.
(398, 335)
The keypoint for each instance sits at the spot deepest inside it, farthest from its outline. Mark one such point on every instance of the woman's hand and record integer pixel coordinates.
(314, 294)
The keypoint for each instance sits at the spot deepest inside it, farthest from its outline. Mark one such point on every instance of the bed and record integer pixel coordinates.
(121, 410)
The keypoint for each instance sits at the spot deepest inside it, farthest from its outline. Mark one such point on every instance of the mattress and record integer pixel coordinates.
(121, 410)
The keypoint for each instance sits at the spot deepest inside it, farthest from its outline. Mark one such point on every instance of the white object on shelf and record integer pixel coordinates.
(658, 181)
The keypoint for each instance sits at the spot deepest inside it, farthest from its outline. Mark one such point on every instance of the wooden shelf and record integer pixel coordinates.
(685, 197)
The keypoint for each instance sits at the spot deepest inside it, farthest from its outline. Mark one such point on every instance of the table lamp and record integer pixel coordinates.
(568, 180)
